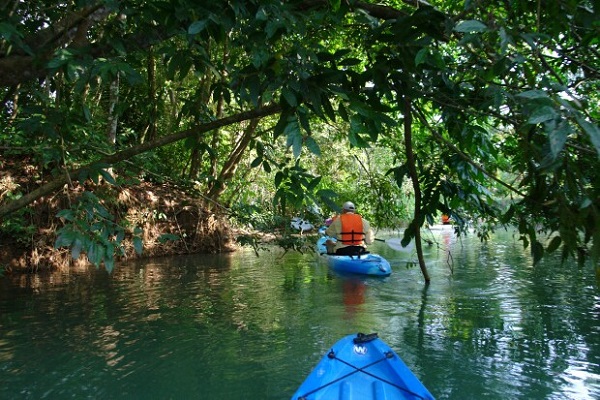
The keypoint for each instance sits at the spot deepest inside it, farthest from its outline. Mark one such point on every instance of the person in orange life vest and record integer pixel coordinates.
(350, 230)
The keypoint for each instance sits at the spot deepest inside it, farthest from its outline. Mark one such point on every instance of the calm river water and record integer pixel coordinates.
(237, 326)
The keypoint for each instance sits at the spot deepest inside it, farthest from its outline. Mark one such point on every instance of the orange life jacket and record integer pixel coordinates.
(352, 229)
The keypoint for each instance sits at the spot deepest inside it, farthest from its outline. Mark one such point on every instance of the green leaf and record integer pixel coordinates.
(87, 114)
(62, 57)
(120, 236)
(400, 174)
(289, 96)
(328, 108)
(7, 31)
(357, 141)
(537, 251)
(281, 125)
(279, 178)
(343, 112)
(197, 27)
(266, 167)
(138, 245)
(303, 118)
(313, 184)
(326, 193)
(109, 251)
(109, 264)
(294, 137)
(76, 249)
(68, 214)
(83, 175)
(558, 138)
(107, 176)
(542, 114)
(94, 253)
(592, 131)
(312, 146)
(65, 238)
(470, 26)
(256, 162)
(297, 145)
(534, 94)
(586, 202)
(421, 55)
(554, 244)
(508, 214)
(255, 90)
(505, 40)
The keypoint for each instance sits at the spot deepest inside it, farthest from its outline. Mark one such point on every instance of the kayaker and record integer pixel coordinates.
(351, 232)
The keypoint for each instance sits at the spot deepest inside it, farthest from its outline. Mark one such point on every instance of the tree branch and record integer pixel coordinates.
(461, 154)
(63, 179)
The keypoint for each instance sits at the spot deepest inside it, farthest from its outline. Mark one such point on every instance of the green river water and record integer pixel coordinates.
(237, 326)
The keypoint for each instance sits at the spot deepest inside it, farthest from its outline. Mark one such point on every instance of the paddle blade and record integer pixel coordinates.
(396, 244)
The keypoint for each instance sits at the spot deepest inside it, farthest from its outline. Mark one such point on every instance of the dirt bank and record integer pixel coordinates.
(27, 237)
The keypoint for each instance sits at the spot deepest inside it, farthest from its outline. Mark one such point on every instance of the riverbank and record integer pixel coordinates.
(169, 220)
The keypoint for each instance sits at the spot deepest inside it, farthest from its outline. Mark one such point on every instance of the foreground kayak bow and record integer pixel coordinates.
(361, 367)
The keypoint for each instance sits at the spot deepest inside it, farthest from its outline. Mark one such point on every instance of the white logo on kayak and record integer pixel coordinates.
(360, 350)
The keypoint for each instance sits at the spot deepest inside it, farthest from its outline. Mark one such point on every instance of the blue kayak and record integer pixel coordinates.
(361, 367)
(366, 264)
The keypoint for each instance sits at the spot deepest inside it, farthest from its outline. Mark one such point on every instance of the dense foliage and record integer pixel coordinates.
(490, 108)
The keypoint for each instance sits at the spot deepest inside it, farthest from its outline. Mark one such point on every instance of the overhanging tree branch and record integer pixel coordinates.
(461, 154)
(63, 179)
(28, 63)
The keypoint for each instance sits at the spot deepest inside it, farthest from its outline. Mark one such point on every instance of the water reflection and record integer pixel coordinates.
(354, 295)
(490, 325)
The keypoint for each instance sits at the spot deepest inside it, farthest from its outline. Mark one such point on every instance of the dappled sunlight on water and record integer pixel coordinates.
(490, 325)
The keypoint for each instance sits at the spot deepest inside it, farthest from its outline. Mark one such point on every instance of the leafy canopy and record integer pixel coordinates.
(503, 97)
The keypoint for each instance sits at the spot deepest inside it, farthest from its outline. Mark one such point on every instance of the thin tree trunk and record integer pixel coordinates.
(150, 133)
(412, 170)
(216, 138)
(14, 93)
(218, 186)
(113, 117)
(196, 153)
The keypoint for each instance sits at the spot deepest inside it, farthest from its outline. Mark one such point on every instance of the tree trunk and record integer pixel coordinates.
(412, 170)
(113, 117)
(218, 186)
(216, 138)
(150, 133)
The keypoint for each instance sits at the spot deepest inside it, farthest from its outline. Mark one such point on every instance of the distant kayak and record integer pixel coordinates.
(301, 225)
(365, 264)
(361, 367)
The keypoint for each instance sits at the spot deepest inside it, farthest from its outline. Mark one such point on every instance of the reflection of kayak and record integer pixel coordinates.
(361, 367)
(366, 264)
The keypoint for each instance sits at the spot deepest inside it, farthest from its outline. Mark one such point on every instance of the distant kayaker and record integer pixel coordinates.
(351, 232)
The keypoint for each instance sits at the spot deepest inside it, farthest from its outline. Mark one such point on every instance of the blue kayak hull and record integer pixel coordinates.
(366, 264)
(365, 370)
